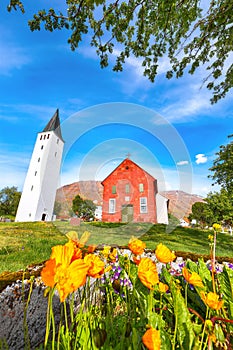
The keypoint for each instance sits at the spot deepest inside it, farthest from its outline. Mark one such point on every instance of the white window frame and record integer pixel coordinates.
(143, 205)
(141, 187)
(112, 205)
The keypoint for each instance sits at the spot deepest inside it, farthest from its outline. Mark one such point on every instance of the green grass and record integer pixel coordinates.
(24, 244)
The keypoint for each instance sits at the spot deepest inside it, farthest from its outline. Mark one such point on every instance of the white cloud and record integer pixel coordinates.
(12, 57)
(201, 158)
(182, 162)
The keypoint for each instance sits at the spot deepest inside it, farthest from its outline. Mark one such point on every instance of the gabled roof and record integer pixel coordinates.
(54, 125)
(127, 161)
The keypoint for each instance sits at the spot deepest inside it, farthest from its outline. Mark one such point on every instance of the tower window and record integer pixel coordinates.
(127, 188)
(114, 189)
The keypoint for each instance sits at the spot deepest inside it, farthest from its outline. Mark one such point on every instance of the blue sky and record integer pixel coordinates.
(169, 127)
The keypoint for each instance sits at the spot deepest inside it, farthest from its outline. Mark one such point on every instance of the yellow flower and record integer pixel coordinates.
(217, 227)
(192, 278)
(136, 246)
(211, 238)
(64, 272)
(147, 272)
(163, 254)
(212, 300)
(151, 339)
(109, 253)
(163, 288)
(95, 265)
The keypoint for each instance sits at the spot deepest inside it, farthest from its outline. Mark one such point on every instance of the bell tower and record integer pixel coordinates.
(39, 191)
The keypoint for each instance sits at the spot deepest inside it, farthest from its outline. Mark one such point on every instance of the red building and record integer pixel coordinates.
(129, 194)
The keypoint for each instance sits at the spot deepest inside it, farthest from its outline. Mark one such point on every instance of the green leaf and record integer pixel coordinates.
(185, 331)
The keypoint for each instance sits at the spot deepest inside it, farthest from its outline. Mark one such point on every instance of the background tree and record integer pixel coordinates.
(202, 213)
(221, 207)
(223, 168)
(9, 200)
(187, 33)
(84, 208)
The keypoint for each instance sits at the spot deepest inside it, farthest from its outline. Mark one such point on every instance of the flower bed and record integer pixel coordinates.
(135, 299)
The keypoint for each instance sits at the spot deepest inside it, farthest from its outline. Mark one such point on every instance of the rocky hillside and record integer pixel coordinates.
(180, 203)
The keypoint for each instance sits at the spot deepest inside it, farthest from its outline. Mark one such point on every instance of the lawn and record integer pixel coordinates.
(24, 244)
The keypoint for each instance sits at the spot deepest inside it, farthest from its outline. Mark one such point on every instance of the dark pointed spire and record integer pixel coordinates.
(54, 125)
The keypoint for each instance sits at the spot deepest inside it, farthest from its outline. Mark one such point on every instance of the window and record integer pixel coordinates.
(38, 160)
(44, 137)
(57, 141)
(48, 136)
(127, 188)
(112, 206)
(143, 205)
(41, 137)
(55, 154)
(42, 147)
(32, 188)
(141, 188)
(114, 189)
(35, 173)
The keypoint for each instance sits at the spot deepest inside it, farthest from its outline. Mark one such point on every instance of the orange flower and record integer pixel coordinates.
(136, 260)
(136, 246)
(95, 265)
(147, 273)
(151, 339)
(163, 254)
(192, 278)
(91, 248)
(163, 288)
(212, 300)
(64, 272)
(48, 272)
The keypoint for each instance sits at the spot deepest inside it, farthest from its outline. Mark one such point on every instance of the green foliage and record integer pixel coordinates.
(182, 31)
(222, 168)
(84, 208)
(202, 213)
(221, 206)
(9, 200)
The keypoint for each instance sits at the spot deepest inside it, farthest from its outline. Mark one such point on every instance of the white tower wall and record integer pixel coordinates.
(39, 192)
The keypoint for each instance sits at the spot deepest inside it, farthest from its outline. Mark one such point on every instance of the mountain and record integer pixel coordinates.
(180, 203)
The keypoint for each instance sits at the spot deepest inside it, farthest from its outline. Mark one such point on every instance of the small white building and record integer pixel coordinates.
(39, 191)
(184, 223)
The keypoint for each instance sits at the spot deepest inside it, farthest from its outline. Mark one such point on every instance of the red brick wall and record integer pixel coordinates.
(129, 173)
